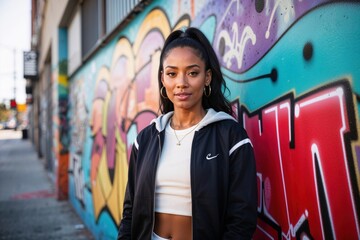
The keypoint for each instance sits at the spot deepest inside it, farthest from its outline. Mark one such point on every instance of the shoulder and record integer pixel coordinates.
(146, 134)
(147, 131)
(224, 123)
(230, 131)
(230, 125)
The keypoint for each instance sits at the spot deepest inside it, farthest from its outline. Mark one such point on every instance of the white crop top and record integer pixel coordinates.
(172, 186)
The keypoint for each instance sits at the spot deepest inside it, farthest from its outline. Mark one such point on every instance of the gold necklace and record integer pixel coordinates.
(179, 140)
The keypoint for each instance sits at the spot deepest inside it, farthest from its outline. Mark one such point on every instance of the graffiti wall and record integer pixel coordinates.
(294, 75)
(61, 128)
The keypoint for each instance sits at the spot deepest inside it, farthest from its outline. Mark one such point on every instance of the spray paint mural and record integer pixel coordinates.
(295, 80)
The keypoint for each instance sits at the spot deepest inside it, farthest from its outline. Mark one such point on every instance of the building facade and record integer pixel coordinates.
(294, 77)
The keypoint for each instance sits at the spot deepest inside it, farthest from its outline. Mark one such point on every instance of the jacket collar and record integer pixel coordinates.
(210, 117)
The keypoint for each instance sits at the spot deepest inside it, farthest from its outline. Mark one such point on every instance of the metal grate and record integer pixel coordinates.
(117, 11)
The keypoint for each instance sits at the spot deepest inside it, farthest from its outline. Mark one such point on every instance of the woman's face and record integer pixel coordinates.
(184, 78)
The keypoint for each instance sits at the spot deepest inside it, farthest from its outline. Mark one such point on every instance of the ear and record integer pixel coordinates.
(208, 77)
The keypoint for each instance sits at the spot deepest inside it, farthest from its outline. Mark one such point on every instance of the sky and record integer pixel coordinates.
(15, 35)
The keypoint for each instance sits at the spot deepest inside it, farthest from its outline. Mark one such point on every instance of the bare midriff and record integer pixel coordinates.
(174, 227)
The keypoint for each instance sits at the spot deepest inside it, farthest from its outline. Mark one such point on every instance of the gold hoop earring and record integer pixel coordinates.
(209, 93)
(161, 92)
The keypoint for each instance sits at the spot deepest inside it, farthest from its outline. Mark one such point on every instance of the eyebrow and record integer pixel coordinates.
(188, 67)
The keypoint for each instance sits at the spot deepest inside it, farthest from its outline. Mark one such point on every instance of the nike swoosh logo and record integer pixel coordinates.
(209, 157)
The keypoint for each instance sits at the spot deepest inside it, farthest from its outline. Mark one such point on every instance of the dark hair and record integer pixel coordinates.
(194, 38)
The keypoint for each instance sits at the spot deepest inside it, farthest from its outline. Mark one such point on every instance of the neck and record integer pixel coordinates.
(183, 120)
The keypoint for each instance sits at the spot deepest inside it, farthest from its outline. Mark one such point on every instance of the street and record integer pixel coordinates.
(28, 207)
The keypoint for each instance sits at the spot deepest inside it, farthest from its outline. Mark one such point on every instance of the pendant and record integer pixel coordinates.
(178, 144)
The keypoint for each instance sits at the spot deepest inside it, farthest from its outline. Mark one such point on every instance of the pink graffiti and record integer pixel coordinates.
(304, 180)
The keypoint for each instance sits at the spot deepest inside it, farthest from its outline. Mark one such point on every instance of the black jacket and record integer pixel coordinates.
(223, 181)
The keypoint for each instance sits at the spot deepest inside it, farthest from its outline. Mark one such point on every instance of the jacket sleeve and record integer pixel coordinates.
(125, 224)
(241, 216)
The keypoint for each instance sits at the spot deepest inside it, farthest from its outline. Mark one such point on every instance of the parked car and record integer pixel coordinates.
(11, 124)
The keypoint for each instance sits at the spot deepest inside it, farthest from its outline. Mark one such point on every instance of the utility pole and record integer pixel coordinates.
(13, 51)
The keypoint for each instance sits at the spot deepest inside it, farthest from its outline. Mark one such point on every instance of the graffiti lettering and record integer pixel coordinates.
(300, 184)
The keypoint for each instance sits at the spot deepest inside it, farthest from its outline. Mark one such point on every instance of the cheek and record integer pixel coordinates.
(200, 86)
(167, 85)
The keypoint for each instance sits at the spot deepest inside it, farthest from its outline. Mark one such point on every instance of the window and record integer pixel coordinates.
(100, 19)
(74, 40)
(90, 22)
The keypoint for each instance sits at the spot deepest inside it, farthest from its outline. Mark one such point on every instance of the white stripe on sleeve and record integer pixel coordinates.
(239, 144)
(136, 144)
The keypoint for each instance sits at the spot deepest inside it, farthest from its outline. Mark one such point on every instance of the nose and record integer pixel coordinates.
(182, 81)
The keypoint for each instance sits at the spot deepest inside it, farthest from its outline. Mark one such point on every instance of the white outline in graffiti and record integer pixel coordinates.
(234, 46)
(76, 167)
(286, 10)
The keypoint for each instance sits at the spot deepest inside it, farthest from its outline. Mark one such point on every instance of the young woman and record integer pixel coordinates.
(192, 171)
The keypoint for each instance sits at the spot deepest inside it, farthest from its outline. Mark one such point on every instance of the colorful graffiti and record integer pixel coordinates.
(292, 71)
(61, 144)
(79, 122)
(322, 159)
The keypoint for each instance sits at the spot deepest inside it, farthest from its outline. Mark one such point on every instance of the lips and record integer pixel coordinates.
(182, 96)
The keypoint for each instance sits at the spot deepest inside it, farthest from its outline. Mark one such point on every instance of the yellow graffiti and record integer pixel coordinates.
(154, 20)
(123, 48)
(101, 185)
(63, 80)
(118, 191)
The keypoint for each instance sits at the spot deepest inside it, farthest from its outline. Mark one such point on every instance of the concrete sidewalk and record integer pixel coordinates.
(28, 207)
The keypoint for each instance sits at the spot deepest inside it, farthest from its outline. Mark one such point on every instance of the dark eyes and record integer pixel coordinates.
(191, 74)
(171, 74)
